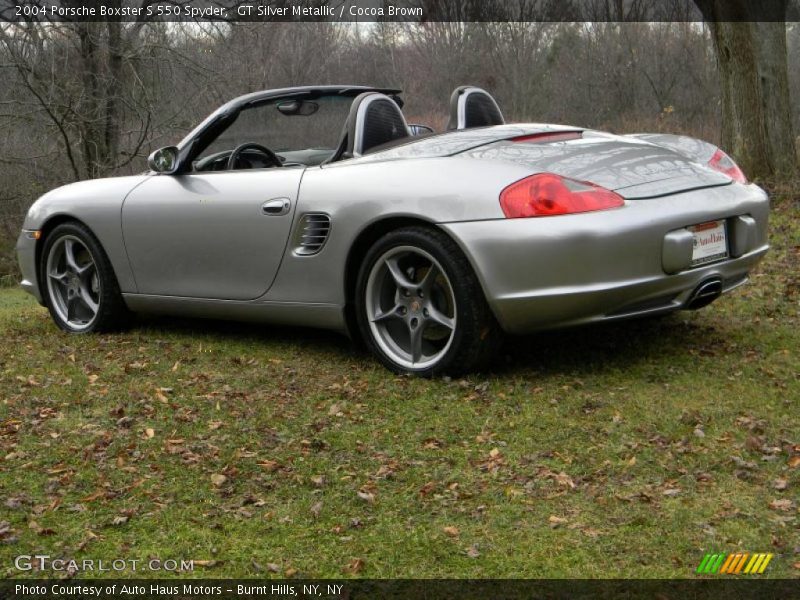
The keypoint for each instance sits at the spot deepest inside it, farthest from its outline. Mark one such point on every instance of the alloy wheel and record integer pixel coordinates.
(73, 282)
(411, 307)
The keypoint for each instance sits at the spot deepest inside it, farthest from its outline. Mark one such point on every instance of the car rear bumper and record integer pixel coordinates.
(548, 272)
(26, 257)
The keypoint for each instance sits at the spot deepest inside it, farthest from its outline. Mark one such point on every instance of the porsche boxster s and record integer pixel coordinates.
(322, 206)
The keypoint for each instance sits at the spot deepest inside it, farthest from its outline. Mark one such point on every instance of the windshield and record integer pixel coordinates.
(299, 131)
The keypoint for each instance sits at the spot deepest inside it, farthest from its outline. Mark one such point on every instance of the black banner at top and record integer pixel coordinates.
(414, 11)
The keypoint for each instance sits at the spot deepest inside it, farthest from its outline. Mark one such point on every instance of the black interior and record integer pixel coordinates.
(382, 126)
(383, 122)
(480, 109)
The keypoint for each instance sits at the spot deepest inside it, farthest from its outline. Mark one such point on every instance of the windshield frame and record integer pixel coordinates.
(191, 146)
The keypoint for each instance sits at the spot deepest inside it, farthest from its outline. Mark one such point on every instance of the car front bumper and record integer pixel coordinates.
(26, 257)
(547, 272)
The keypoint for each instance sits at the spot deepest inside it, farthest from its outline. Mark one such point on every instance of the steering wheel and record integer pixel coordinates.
(234, 157)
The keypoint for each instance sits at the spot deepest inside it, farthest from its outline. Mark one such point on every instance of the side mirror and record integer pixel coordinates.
(417, 129)
(164, 160)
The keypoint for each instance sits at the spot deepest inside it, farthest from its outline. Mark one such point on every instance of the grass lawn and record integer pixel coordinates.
(626, 450)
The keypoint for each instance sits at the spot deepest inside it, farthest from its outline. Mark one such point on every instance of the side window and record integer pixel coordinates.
(299, 131)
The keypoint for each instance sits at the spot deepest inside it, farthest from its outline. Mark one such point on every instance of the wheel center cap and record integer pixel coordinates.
(415, 306)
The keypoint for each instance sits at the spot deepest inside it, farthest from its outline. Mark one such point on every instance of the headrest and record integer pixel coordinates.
(473, 107)
(374, 119)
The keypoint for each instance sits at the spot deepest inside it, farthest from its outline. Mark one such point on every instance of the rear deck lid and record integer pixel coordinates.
(635, 169)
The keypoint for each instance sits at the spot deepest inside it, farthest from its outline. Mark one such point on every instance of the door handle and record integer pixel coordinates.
(276, 207)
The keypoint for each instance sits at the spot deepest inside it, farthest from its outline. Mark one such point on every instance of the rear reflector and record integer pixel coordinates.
(548, 194)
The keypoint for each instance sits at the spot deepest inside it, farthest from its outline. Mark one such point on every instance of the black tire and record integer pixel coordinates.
(112, 314)
(476, 337)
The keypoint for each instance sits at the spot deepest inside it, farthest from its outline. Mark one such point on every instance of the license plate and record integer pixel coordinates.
(710, 242)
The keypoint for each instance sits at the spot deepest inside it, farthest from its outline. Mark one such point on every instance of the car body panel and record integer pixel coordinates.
(557, 271)
(97, 203)
(205, 235)
(632, 168)
(434, 190)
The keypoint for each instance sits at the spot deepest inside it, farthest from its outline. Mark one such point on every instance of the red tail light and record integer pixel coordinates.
(548, 194)
(724, 164)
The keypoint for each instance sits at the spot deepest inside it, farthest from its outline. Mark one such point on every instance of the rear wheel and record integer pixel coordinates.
(79, 286)
(419, 306)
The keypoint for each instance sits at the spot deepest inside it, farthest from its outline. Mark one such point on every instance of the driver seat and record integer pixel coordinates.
(473, 107)
(375, 119)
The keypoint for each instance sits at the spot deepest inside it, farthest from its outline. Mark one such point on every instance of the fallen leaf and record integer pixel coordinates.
(794, 462)
(218, 479)
(316, 509)
(451, 531)
(671, 492)
(565, 480)
(290, 572)
(556, 521)
(427, 488)
(366, 496)
(473, 551)
(780, 484)
(33, 525)
(13, 503)
(150, 432)
(119, 520)
(783, 504)
(273, 568)
(592, 533)
(354, 566)
(205, 563)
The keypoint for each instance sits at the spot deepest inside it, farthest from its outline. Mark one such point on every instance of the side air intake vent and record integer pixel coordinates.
(312, 233)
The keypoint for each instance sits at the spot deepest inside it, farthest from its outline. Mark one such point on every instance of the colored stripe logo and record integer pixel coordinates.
(739, 563)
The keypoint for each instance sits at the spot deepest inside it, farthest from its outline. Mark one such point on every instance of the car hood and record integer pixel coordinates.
(634, 168)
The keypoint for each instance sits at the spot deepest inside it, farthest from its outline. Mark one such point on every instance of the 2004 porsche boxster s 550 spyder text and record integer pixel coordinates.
(321, 206)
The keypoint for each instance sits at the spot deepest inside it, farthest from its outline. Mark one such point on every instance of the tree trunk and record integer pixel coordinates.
(756, 111)
(101, 50)
(777, 107)
(92, 138)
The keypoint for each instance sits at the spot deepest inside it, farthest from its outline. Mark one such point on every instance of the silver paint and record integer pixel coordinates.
(200, 244)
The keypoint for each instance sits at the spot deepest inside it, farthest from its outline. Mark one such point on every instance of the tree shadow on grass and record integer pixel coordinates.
(576, 351)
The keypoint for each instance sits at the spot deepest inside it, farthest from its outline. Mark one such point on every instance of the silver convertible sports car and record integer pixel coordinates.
(321, 206)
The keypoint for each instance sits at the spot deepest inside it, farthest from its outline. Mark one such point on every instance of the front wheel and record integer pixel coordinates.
(420, 307)
(80, 289)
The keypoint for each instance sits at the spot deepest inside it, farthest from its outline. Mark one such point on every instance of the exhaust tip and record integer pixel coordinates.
(705, 294)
